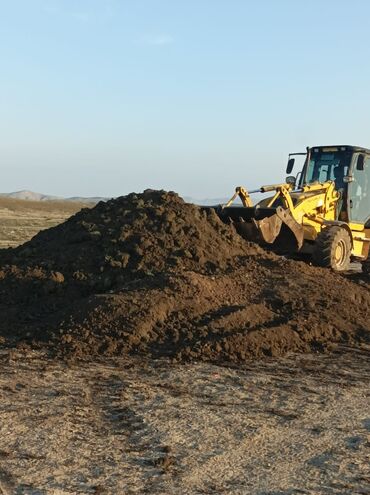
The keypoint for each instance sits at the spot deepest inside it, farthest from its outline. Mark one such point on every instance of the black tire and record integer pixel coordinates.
(333, 249)
(366, 266)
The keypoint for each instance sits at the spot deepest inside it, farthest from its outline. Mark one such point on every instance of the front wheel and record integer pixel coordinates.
(333, 249)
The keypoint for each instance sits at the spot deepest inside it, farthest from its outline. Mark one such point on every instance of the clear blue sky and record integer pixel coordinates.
(103, 97)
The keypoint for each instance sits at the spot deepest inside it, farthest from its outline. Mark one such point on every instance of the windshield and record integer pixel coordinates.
(328, 164)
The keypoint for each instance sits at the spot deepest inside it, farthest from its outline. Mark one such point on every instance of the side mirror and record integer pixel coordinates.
(290, 165)
(290, 180)
(360, 162)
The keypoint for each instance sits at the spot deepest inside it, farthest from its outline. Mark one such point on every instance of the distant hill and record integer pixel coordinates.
(34, 196)
(29, 196)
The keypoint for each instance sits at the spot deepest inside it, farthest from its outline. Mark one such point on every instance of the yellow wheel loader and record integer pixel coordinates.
(323, 212)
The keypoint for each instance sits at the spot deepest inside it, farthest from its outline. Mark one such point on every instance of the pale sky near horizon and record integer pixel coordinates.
(105, 97)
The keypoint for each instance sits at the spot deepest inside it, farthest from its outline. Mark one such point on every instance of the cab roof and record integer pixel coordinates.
(343, 147)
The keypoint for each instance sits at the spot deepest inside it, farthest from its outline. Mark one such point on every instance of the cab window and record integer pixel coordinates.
(360, 193)
(325, 166)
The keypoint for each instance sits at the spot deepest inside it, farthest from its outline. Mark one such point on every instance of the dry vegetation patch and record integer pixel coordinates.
(20, 220)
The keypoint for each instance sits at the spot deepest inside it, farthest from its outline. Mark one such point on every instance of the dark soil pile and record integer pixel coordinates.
(150, 273)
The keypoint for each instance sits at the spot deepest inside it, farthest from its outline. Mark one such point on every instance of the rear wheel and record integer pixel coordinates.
(333, 249)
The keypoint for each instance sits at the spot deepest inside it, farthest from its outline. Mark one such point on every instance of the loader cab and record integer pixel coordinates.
(349, 168)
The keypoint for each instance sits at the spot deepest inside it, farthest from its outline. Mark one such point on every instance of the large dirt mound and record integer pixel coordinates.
(150, 273)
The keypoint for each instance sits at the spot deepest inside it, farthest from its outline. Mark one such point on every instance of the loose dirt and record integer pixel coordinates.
(150, 274)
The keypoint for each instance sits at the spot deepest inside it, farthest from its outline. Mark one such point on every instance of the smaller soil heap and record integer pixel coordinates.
(132, 237)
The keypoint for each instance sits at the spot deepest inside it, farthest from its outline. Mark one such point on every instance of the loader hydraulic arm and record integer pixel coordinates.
(283, 191)
(243, 195)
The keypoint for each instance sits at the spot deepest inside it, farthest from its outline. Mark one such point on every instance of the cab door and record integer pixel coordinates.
(359, 191)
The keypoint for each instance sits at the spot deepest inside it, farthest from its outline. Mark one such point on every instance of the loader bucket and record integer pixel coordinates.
(274, 226)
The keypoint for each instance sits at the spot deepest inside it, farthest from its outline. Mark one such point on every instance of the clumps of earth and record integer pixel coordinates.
(152, 275)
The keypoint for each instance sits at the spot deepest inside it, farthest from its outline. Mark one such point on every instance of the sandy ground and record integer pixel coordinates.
(298, 425)
(21, 220)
